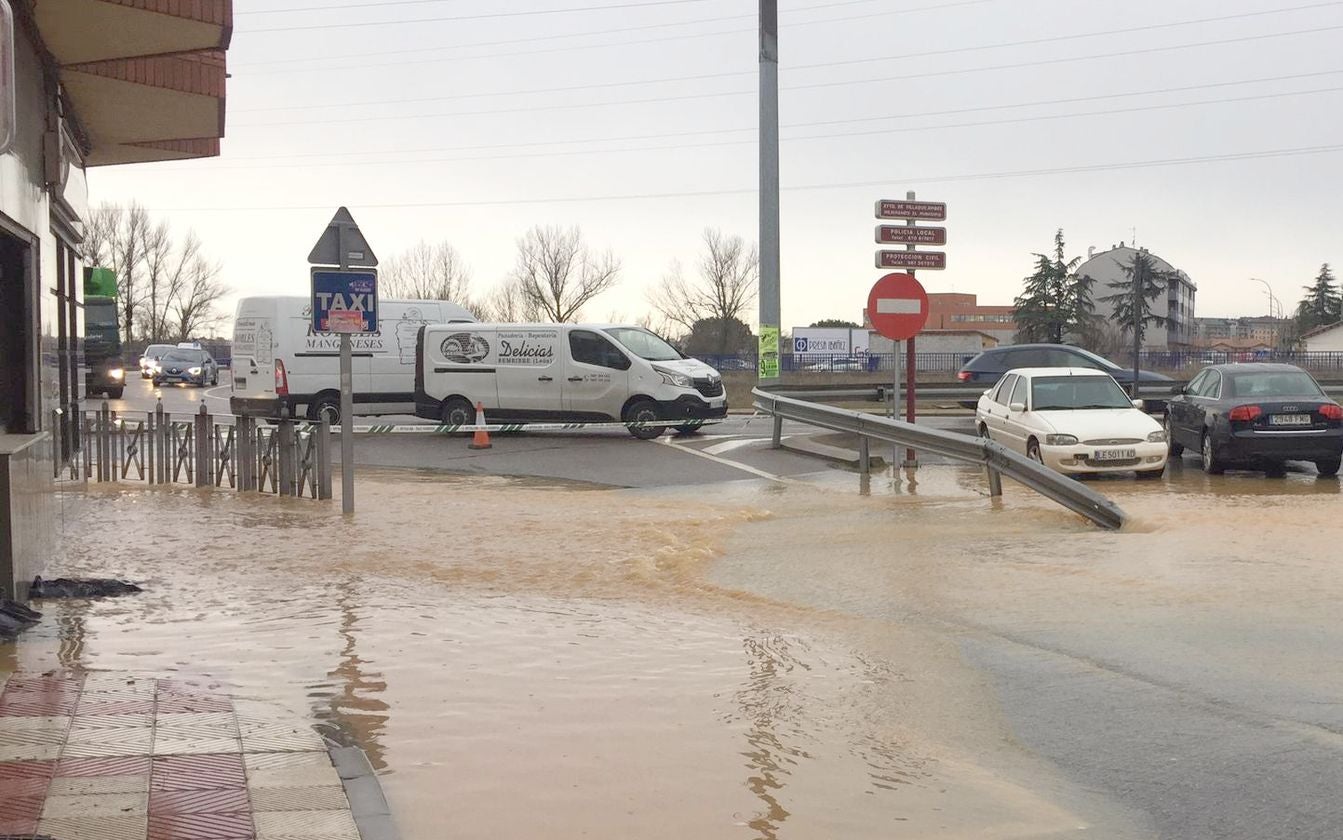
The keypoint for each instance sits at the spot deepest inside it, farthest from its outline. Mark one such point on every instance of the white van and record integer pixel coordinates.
(279, 361)
(567, 373)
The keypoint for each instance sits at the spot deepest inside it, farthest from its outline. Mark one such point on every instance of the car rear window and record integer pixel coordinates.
(1264, 385)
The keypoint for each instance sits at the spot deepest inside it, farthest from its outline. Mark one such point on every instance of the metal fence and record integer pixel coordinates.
(285, 458)
(1159, 360)
(995, 458)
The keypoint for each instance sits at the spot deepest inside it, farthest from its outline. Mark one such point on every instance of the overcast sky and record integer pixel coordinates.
(637, 121)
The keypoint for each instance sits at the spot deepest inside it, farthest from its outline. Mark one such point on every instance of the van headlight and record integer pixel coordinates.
(195, 371)
(671, 377)
(1061, 440)
(1157, 437)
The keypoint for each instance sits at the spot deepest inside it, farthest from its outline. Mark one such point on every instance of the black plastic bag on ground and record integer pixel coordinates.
(92, 588)
(15, 617)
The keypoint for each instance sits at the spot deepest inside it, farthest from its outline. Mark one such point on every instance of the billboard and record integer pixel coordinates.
(829, 341)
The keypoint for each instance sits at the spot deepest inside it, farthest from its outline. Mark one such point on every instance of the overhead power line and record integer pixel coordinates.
(623, 30)
(815, 85)
(382, 4)
(663, 135)
(806, 137)
(1266, 154)
(813, 66)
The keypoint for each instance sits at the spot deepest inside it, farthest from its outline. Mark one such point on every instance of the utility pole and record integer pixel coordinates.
(769, 193)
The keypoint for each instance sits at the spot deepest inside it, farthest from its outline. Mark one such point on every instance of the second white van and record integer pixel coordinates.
(280, 362)
(562, 373)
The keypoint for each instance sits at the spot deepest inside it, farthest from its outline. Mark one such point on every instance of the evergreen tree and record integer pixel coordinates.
(1143, 283)
(1055, 303)
(1323, 304)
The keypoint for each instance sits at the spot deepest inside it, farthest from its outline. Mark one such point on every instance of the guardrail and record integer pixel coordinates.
(1159, 391)
(995, 458)
(287, 458)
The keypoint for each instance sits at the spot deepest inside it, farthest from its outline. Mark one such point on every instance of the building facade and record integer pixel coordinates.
(963, 312)
(1176, 305)
(95, 83)
(1239, 332)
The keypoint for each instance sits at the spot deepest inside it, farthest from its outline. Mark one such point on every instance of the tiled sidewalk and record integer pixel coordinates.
(105, 757)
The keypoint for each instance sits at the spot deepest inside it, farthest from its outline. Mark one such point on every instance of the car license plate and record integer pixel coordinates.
(1115, 455)
(1289, 420)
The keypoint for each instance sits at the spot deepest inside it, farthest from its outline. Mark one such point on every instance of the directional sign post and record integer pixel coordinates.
(344, 301)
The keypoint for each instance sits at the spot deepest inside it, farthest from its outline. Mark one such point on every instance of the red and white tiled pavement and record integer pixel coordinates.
(95, 756)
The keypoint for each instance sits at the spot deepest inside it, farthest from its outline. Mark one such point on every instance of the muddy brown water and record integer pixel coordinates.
(529, 659)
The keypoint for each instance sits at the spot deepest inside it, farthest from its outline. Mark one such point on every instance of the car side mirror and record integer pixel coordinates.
(988, 391)
(1178, 390)
(1017, 408)
(1139, 404)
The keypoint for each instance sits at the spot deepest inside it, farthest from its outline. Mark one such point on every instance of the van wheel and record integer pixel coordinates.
(458, 412)
(326, 407)
(641, 412)
(690, 429)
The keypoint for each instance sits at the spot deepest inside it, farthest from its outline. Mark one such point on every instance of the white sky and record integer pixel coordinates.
(434, 120)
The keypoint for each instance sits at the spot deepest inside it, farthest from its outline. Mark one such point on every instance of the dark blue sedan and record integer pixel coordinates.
(988, 367)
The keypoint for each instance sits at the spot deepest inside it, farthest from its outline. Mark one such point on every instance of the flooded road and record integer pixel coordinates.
(792, 660)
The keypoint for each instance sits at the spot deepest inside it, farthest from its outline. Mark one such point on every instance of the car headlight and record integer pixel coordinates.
(1157, 437)
(117, 373)
(195, 371)
(671, 377)
(1061, 440)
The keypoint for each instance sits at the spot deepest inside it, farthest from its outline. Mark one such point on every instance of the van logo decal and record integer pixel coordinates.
(465, 348)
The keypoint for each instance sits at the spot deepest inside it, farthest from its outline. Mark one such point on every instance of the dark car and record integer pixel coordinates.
(1256, 416)
(186, 365)
(988, 367)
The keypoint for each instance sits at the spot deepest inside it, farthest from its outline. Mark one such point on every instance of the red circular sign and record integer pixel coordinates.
(898, 307)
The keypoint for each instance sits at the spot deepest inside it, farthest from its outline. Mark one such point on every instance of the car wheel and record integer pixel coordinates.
(1328, 467)
(983, 431)
(157, 382)
(1151, 475)
(1033, 451)
(114, 393)
(214, 380)
(1212, 465)
(457, 412)
(1176, 448)
(325, 408)
(1276, 470)
(643, 411)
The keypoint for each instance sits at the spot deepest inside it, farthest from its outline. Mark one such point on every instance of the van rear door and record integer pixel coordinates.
(528, 369)
(254, 350)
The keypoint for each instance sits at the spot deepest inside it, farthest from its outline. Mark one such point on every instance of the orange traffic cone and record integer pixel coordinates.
(481, 440)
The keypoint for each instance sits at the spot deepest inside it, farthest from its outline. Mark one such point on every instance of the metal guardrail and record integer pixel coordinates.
(995, 458)
(288, 458)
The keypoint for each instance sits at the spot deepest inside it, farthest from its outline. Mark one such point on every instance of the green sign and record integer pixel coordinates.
(100, 282)
(769, 352)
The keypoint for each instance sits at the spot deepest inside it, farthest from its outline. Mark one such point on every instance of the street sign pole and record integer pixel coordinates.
(911, 457)
(346, 401)
(769, 193)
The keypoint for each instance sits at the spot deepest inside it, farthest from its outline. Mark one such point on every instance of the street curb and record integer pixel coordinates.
(372, 815)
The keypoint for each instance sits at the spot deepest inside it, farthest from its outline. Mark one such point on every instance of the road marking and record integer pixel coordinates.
(211, 393)
(665, 441)
(899, 306)
(729, 445)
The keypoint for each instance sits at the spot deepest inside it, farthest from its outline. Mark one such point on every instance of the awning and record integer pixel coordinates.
(146, 77)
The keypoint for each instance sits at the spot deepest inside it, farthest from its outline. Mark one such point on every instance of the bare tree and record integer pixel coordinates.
(507, 303)
(194, 306)
(166, 277)
(729, 277)
(428, 272)
(113, 240)
(557, 273)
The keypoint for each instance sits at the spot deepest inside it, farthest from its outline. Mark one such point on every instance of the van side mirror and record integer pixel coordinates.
(1017, 407)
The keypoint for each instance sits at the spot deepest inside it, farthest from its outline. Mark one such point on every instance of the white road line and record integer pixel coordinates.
(666, 441)
(729, 445)
(211, 393)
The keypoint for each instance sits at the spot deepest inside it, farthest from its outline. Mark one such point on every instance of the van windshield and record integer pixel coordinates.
(644, 344)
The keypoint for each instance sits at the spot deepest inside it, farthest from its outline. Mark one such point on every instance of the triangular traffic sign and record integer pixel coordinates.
(327, 249)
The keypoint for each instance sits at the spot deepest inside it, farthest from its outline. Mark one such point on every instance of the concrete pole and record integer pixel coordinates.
(769, 192)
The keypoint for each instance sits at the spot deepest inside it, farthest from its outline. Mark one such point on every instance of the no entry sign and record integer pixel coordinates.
(898, 307)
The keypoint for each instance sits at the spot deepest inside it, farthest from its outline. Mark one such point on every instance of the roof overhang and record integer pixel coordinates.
(146, 78)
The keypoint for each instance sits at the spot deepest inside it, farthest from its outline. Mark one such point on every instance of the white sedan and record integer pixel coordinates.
(1073, 420)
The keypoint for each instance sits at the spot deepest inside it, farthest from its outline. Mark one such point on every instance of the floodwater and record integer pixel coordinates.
(530, 659)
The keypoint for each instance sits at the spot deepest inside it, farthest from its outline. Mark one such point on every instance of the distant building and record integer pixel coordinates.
(1238, 333)
(1178, 307)
(962, 312)
(1327, 339)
